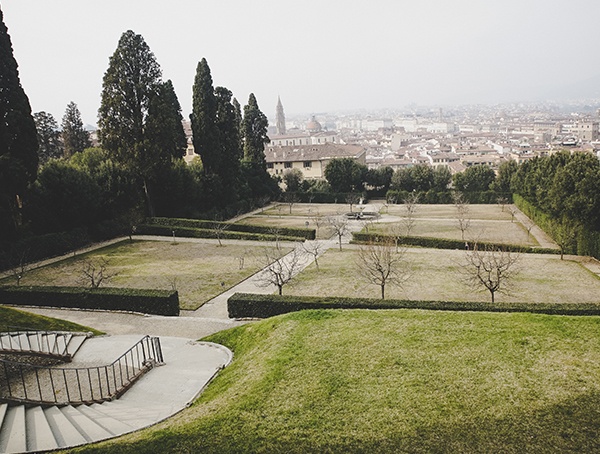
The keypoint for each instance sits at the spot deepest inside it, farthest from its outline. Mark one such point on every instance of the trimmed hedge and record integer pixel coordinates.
(326, 197)
(445, 197)
(160, 302)
(443, 243)
(189, 232)
(248, 305)
(309, 234)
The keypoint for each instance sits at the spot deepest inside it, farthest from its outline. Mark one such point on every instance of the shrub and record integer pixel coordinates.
(160, 302)
(248, 305)
(190, 232)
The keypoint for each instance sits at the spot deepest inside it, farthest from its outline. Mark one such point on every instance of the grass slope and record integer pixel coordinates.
(16, 318)
(394, 381)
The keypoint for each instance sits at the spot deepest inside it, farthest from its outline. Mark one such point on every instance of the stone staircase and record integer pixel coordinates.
(61, 345)
(34, 429)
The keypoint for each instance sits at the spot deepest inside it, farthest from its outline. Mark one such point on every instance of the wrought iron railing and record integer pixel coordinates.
(45, 343)
(42, 385)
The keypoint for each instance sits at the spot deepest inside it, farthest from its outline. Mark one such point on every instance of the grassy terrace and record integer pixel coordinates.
(11, 318)
(435, 274)
(197, 270)
(394, 381)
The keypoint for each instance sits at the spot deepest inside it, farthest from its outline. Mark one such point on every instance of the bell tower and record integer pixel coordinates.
(279, 118)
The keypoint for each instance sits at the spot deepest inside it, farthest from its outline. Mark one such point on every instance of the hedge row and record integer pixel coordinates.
(248, 305)
(160, 302)
(586, 242)
(325, 197)
(308, 234)
(189, 232)
(445, 197)
(443, 243)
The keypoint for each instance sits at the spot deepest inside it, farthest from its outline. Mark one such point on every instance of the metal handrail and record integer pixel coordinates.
(42, 385)
(21, 342)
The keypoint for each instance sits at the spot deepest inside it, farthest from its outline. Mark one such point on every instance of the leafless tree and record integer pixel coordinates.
(315, 249)
(352, 199)
(490, 268)
(319, 221)
(279, 207)
(565, 234)
(502, 201)
(219, 229)
(463, 218)
(513, 210)
(290, 199)
(391, 199)
(17, 261)
(410, 205)
(381, 265)
(339, 227)
(529, 225)
(263, 202)
(94, 272)
(276, 233)
(279, 270)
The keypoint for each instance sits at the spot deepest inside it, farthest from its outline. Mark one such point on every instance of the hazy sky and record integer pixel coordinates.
(318, 55)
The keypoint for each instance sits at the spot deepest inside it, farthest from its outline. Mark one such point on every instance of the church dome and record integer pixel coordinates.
(313, 125)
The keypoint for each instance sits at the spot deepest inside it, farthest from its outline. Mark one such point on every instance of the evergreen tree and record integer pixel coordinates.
(18, 138)
(254, 130)
(203, 118)
(238, 121)
(75, 137)
(48, 135)
(131, 81)
(230, 152)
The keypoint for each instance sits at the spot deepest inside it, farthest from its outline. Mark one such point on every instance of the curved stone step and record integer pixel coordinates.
(39, 434)
(90, 430)
(12, 433)
(65, 433)
(113, 425)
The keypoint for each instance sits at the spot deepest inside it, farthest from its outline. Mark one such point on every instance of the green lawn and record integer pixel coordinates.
(11, 319)
(435, 274)
(199, 271)
(394, 381)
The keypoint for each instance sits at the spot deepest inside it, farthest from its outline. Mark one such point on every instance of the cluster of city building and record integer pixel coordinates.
(456, 138)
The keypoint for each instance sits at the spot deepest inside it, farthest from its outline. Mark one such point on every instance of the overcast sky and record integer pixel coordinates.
(318, 55)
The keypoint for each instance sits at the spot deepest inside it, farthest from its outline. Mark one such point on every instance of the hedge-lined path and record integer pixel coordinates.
(208, 319)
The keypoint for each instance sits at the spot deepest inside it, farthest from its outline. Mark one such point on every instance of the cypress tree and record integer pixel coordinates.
(254, 130)
(18, 137)
(230, 151)
(75, 137)
(203, 118)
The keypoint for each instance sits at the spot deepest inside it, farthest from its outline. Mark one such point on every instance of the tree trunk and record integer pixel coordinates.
(280, 289)
(147, 191)
(492, 293)
(382, 291)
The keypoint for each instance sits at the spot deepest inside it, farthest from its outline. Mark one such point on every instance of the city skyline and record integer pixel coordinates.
(318, 56)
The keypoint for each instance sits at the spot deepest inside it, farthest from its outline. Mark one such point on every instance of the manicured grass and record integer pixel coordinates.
(435, 274)
(483, 212)
(394, 381)
(11, 318)
(309, 209)
(199, 271)
(288, 221)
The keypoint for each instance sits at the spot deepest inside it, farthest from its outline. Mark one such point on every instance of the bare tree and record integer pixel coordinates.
(513, 210)
(17, 260)
(339, 227)
(95, 272)
(276, 233)
(491, 269)
(315, 249)
(410, 205)
(529, 225)
(319, 221)
(381, 265)
(219, 229)
(279, 270)
(290, 199)
(502, 201)
(565, 234)
(463, 218)
(352, 199)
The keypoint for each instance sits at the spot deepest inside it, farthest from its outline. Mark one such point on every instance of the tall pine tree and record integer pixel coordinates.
(204, 113)
(75, 137)
(18, 138)
(254, 130)
(229, 145)
(48, 137)
(139, 116)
